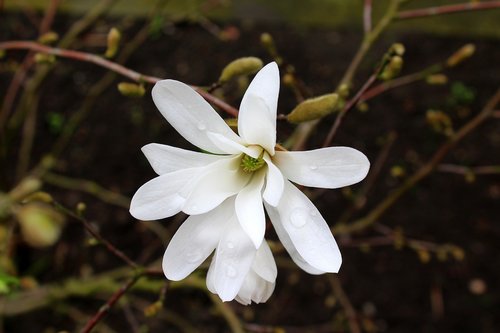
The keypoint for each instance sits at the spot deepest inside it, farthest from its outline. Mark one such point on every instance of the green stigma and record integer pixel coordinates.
(251, 164)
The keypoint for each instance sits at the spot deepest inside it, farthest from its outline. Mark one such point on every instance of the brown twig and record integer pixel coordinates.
(367, 16)
(349, 310)
(463, 170)
(348, 106)
(399, 82)
(107, 306)
(423, 171)
(115, 67)
(86, 224)
(448, 9)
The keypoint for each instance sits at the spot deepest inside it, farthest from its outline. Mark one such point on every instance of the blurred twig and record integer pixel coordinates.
(448, 9)
(90, 187)
(423, 171)
(88, 226)
(111, 301)
(113, 66)
(367, 16)
(349, 310)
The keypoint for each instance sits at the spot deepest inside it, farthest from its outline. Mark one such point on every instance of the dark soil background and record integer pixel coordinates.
(389, 288)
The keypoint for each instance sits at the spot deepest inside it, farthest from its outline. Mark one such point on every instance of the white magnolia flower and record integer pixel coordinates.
(225, 190)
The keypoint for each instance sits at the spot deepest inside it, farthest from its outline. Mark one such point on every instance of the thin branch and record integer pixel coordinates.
(348, 106)
(423, 171)
(448, 9)
(105, 63)
(399, 82)
(86, 224)
(349, 310)
(463, 170)
(107, 306)
(367, 16)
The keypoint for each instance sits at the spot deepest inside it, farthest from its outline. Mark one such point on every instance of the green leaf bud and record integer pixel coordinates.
(44, 58)
(397, 49)
(114, 37)
(131, 89)
(392, 69)
(241, 66)
(48, 38)
(436, 79)
(41, 225)
(460, 55)
(314, 108)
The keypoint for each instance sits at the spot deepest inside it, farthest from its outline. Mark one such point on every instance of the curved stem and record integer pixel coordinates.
(423, 172)
(448, 9)
(113, 66)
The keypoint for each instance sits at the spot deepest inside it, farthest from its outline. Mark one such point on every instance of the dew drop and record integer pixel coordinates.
(230, 245)
(313, 167)
(299, 217)
(202, 126)
(231, 271)
(193, 257)
(313, 213)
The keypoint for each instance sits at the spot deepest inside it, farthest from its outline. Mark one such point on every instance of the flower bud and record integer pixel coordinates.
(241, 66)
(114, 37)
(44, 58)
(392, 69)
(48, 38)
(436, 79)
(314, 108)
(131, 89)
(440, 122)
(39, 196)
(462, 54)
(41, 225)
(397, 49)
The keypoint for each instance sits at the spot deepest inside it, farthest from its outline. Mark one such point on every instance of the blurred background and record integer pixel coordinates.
(430, 263)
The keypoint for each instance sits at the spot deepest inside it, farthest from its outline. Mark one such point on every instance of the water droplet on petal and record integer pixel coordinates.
(231, 271)
(299, 217)
(230, 245)
(313, 213)
(313, 167)
(202, 126)
(193, 257)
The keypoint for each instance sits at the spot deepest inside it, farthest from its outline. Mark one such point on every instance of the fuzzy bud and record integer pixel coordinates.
(44, 58)
(131, 89)
(436, 79)
(48, 38)
(239, 67)
(314, 108)
(41, 225)
(397, 49)
(440, 122)
(392, 69)
(114, 37)
(462, 54)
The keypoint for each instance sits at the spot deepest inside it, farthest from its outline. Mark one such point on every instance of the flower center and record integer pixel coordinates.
(250, 164)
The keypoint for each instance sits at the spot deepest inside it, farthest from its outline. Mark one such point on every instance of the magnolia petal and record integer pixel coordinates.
(250, 211)
(196, 238)
(274, 183)
(210, 276)
(330, 167)
(190, 114)
(266, 292)
(220, 181)
(233, 259)
(165, 159)
(250, 284)
(308, 230)
(162, 197)
(232, 147)
(257, 117)
(287, 242)
(264, 264)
